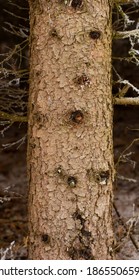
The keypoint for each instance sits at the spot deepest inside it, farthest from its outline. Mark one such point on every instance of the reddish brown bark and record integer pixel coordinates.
(70, 131)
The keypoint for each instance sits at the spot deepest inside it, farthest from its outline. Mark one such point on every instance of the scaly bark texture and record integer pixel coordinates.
(70, 130)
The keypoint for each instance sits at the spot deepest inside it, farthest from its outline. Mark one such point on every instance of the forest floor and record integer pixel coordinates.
(126, 193)
(13, 188)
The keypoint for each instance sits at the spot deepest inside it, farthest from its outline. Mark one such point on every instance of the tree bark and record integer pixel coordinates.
(70, 151)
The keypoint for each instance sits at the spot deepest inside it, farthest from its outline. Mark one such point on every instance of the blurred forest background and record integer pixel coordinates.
(14, 84)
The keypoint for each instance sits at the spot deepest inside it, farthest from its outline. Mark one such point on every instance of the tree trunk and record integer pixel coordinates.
(70, 156)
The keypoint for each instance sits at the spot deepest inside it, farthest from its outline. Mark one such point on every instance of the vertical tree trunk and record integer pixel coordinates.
(70, 130)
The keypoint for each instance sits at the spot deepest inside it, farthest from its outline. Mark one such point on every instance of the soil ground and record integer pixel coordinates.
(13, 187)
(126, 193)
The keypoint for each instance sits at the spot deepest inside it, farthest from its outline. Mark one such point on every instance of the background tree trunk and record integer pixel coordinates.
(70, 150)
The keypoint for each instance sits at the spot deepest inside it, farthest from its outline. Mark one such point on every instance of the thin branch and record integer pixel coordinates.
(9, 145)
(15, 15)
(125, 34)
(126, 149)
(13, 118)
(130, 180)
(126, 2)
(126, 228)
(126, 101)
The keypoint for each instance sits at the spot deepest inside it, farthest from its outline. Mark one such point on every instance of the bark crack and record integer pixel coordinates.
(81, 247)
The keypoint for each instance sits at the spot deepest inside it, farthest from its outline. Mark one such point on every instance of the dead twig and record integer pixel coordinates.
(126, 228)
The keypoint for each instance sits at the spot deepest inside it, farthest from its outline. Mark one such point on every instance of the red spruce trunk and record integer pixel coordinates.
(70, 151)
